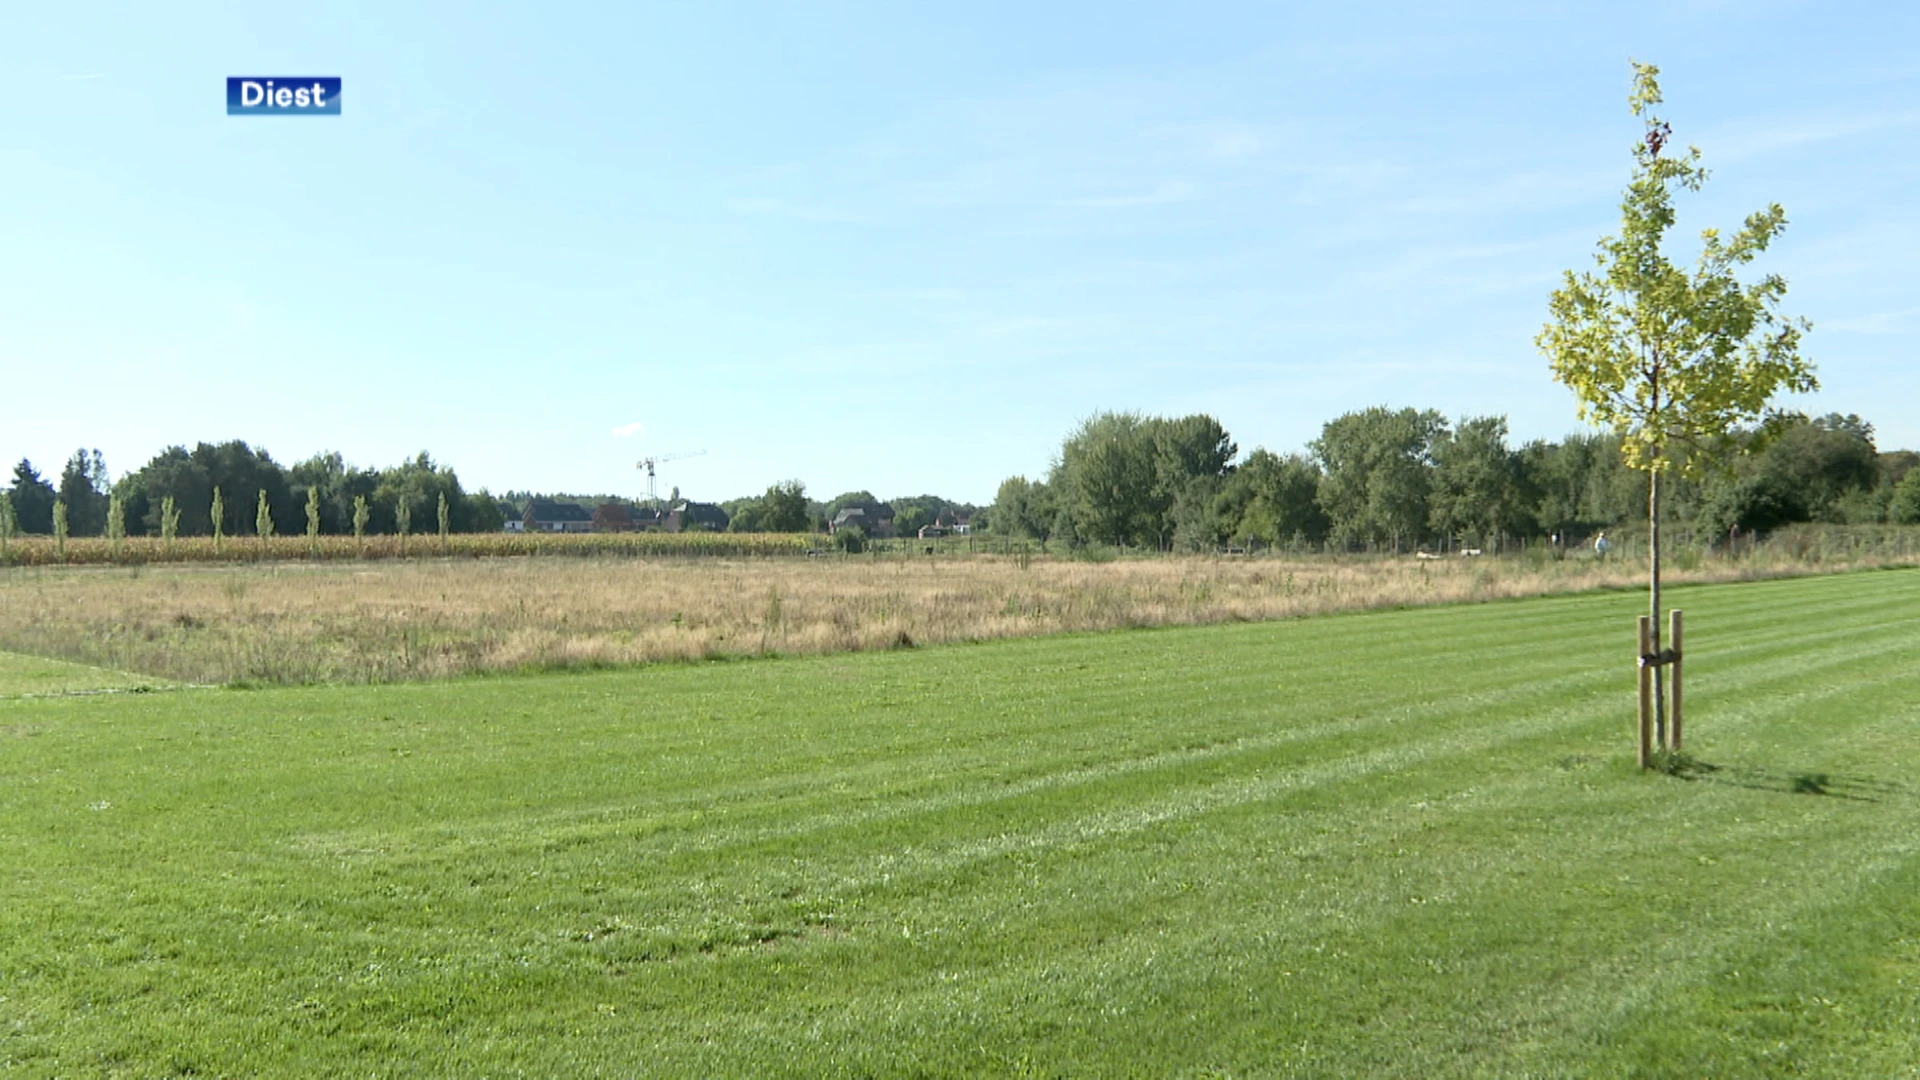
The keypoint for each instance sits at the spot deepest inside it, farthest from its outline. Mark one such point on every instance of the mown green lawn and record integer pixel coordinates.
(22, 676)
(1394, 844)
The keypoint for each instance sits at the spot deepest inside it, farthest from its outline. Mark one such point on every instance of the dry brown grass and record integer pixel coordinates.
(371, 622)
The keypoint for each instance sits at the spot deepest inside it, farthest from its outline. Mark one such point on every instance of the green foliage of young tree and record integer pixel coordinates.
(851, 539)
(1671, 358)
(263, 521)
(313, 519)
(8, 527)
(116, 525)
(403, 521)
(60, 529)
(444, 518)
(169, 521)
(218, 513)
(361, 513)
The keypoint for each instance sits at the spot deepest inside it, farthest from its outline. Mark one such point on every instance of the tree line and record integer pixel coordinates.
(186, 492)
(1396, 479)
(181, 491)
(1384, 478)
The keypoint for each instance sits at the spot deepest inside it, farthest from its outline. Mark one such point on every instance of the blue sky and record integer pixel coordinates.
(901, 247)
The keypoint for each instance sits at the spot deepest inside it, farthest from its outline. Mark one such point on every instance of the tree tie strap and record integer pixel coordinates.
(1659, 659)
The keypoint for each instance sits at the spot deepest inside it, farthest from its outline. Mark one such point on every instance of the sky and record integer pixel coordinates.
(895, 247)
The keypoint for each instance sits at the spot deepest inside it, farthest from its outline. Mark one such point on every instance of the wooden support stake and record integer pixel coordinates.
(1673, 680)
(1646, 691)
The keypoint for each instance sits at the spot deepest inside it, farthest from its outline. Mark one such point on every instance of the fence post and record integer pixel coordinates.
(1646, 690)
(1673, 637)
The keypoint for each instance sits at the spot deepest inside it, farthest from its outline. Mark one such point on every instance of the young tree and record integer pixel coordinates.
(403, 521)
(7, 527)
(360, 515)
(219, 515)
(444, 519)
(60, 529)
(1672, 359)
(313, 521)
(263, 522)
(169, 521)
(116, 525)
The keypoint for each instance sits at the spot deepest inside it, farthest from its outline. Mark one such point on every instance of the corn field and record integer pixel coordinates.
(136, 551)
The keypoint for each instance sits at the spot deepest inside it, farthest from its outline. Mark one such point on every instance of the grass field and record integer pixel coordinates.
(332, 622)
(1401, 843)
(32, 676)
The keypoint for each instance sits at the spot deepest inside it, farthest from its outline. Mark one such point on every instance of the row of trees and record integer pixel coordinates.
(241, 474)
(1379, 477)
(786, 508)
(1401, 478)
(180, 490)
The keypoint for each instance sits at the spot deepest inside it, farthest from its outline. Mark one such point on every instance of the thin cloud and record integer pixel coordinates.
(627, 431)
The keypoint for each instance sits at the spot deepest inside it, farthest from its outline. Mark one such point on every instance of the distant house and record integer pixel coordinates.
(928, 532)
(874, 519)
(548, 516)
(695, 517)
(851, 517)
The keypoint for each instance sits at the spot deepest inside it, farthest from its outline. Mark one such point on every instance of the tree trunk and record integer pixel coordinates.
(1653, 549)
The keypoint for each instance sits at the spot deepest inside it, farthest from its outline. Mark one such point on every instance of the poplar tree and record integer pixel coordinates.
(219, 514)
(8, 526)
(169, 521)
(443, 523)
(1672, 358)
(313, 520)
(60, 529)
(116, 525)
(403, 519)
(360, 516)
(263, 522)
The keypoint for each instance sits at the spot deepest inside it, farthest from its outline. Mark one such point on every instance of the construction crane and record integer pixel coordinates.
(653, 495)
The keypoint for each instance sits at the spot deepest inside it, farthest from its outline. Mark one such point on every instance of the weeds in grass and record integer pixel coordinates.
(1680, 764)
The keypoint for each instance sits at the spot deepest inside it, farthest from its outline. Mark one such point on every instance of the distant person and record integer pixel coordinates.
(1601, 546)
